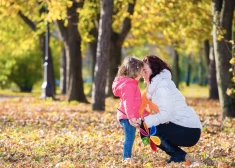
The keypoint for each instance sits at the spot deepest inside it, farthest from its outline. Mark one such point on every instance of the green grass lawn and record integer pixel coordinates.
(193, 91)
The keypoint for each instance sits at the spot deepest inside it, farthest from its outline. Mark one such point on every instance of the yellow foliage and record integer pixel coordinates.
(170, 5)
(230, 91)
(233, 79)
(232, 61)
(232, 42)
(220, 37)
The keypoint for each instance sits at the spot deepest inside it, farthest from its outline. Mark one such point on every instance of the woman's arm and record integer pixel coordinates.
(163, 99)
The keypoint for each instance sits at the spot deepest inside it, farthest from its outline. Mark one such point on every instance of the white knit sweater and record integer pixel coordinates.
(171, 103)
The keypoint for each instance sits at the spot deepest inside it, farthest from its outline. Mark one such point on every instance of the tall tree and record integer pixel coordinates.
(175, 67)
(121, 25)
(222, 34)
(117, 40)
(63, 74)
(213, 87)
(72, 42)
(103, 51)
(189, 68)
(118, 36)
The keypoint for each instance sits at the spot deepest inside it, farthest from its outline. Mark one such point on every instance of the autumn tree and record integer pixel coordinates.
(222, 36)
(67, 19)
(121, 25)
(103, 52)
(213, 87)
(121, 28)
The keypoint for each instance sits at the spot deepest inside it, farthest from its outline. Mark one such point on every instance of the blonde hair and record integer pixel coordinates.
(131, 67)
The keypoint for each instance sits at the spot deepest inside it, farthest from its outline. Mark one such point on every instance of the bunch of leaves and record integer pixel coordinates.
(231, 90)
(6, 64)
(88, 20)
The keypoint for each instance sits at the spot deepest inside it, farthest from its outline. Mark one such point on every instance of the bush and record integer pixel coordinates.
(27, 70)
(6, 65)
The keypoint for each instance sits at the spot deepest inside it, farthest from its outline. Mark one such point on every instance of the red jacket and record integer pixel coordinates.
(130, 97)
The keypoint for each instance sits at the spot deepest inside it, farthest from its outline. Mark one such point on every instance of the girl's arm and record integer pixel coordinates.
(135, 122)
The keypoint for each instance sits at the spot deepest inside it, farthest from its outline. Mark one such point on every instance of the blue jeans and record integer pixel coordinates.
(129, 132)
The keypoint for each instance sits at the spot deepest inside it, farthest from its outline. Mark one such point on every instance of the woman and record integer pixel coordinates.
(177, 123)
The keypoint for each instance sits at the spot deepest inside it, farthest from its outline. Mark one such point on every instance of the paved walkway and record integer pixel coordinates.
(6, 97)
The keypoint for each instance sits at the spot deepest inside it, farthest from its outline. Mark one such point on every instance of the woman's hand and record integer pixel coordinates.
(135, 122)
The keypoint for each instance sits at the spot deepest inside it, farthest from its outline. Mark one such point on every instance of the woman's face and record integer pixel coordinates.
(146, 73)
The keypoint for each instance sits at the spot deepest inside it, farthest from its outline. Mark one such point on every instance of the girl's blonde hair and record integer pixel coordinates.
(131, 67)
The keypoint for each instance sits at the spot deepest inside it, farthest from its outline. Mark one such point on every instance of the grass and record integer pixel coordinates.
(194, 91)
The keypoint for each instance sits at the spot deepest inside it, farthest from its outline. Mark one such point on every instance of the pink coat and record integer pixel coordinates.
(130, 97)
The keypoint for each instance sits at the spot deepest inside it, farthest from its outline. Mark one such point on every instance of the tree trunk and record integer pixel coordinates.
(103, 50)
(74, 58)
(63, 77)
(188, 75)
(93, 49)
(223, 19)
(207, 60)
(213, 87)
(114, 63)
(175, 68)
(200, 70)
(117, 40)
(72, 42)
(207, 51)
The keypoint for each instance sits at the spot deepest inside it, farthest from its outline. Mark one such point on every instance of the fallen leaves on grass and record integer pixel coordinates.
(37, 133)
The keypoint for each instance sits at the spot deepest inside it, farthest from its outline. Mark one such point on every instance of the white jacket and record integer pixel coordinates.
(171, 103)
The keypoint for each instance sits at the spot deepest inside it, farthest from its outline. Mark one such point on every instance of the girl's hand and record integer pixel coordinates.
(135, 122)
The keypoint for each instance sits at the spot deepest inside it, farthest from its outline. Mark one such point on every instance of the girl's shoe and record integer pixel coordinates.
(129, 161)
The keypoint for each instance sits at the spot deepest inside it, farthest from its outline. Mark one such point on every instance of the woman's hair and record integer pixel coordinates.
(131, 67)
(156, 65)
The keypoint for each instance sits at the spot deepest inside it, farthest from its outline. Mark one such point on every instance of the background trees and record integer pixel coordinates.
(177, 31)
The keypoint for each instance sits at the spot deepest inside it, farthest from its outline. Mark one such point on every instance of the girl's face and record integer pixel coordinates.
(140, 75)
(146, 73)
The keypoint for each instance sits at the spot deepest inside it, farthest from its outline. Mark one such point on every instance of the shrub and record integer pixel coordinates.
(27, 70)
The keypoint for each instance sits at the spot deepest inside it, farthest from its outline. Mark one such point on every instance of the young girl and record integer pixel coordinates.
(126, 87)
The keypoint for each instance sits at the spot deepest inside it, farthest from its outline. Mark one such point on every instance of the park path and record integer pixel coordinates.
(6, 97)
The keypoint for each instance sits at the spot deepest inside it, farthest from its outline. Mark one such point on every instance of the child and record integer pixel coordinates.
(125, 86)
